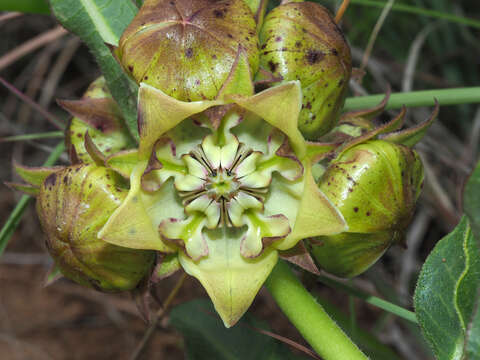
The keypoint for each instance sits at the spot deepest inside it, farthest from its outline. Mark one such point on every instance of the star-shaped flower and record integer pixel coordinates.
(226, 183)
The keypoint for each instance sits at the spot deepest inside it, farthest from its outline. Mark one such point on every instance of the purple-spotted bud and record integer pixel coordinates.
(301, 41)
(187, 48)
(375, 185)
(99, 115)
(74, 203)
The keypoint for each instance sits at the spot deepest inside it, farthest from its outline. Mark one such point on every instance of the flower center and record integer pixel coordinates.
(221, 185)
(225, 183)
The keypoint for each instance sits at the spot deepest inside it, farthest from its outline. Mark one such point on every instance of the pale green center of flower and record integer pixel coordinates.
(225, 183)
(221, 184)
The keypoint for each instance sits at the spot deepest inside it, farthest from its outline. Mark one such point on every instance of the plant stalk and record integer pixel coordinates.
(468, 95)
(309, 317)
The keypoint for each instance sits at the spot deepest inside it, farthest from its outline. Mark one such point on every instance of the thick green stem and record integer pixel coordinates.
(417, 98)
(309, 317)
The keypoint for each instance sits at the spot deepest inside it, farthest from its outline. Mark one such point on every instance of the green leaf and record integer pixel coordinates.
(471, 200)
(105, 18)
(98, 22)
(25, 6)
(207, 338)
(447, 295)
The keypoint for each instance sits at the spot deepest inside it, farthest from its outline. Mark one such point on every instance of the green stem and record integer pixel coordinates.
(14, 219)
(309, 317)
(417, 98)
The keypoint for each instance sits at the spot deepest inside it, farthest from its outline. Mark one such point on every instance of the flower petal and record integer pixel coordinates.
(123, 162)
(158, 113)
(189, 183)
(231, 281)
(261, 231)
(279, 106)
(187, 234)
(195, 167)
(134, 224)
(316, 215)
(209, 207)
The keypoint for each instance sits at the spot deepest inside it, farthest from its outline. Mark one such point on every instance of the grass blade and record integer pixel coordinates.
(457, 96)
(37, 136)
(373, 300)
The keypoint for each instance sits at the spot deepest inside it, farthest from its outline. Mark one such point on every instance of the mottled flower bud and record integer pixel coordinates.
(99, 115)
(375, 186)
(300, 41)
(187, 48)
(73, 205)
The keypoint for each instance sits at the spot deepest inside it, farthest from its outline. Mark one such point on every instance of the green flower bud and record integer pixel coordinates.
(300, 41)
(73, 205)
(99, 115)
(375, 186)
(188, 48)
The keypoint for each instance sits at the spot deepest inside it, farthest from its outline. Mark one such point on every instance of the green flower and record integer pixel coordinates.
(226, 184)
(223, 181)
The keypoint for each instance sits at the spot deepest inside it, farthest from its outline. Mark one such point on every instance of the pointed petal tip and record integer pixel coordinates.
(229, 322)
(232, 284)
(24, 188)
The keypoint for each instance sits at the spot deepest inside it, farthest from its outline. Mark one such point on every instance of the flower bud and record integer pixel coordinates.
(301, 41)
(187, 48)
(375, 186)
(73, 205)
(99, 115)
